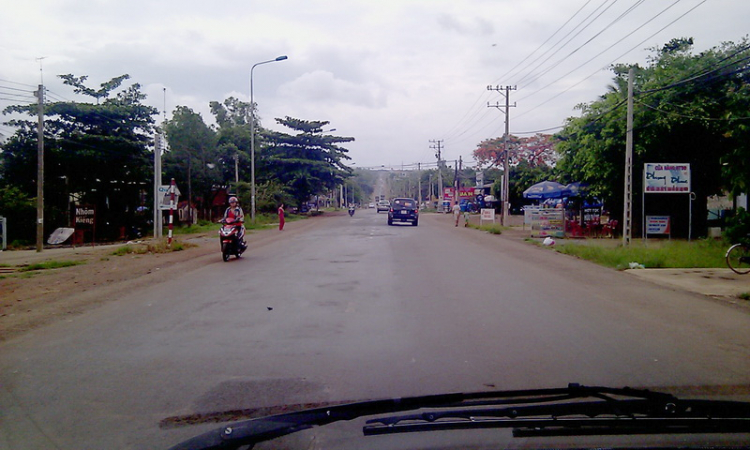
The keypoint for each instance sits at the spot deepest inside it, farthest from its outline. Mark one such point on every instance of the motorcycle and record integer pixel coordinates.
(231, 236)
(351, 211)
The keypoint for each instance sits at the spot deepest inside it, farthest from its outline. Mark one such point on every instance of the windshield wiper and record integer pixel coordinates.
(575, 410)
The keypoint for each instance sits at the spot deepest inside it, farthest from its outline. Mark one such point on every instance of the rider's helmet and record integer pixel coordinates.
(232, 199)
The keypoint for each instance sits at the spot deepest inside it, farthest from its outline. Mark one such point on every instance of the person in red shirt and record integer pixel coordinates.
(281, 217)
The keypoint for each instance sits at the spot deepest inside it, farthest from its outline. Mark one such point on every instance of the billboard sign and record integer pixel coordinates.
(666, 178)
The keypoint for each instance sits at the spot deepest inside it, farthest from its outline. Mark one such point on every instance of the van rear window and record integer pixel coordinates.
(404, 203)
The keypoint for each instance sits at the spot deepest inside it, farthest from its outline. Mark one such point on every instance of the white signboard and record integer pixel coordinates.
(166, 196)
(666, 178)
(488, 214)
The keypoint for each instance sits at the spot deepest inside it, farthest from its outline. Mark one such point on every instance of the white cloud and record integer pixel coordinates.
(322, 88)
(394, 74)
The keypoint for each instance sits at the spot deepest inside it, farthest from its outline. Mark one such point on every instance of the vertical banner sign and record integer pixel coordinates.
(85, 219)
(666, 178)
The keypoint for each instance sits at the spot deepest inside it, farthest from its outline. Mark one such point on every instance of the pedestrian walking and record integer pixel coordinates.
(281, 217)
(456, 212)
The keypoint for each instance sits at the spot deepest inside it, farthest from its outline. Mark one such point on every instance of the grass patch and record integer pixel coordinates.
(745, 296)
(49, 265)
(152, 247)
(493, 228)
(656, 254)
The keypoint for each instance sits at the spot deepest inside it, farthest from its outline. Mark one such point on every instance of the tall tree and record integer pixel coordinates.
(192, 159)
(689, 109)
(96, 152)
(309, 162)
(535, 150)
(233, 137)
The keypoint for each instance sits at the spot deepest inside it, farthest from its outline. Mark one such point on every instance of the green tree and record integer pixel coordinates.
(95, 152)
(192, 159)
(233, 137)
(307, 163)
(689, 108)
(20, 211)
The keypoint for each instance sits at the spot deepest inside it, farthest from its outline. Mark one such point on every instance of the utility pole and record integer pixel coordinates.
(456, 183)
(159, 146)
(627, 214)
(438, 147)
(419, 184)
(506, 168)
(40, 171)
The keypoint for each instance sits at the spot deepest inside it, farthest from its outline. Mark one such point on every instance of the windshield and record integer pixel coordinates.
(426, 198)
(401, 203)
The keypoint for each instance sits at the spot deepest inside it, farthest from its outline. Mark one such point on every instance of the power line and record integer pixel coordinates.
(712, 119)
(571, 39)
(617, 58)
(17, 83)
(549, 69)
(508, 73)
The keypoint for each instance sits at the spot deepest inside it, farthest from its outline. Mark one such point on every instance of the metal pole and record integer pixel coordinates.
(252, 136)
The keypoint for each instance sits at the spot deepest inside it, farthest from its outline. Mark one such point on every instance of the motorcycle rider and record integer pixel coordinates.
(235, 214)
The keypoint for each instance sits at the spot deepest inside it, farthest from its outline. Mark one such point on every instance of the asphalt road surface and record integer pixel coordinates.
(351, 309)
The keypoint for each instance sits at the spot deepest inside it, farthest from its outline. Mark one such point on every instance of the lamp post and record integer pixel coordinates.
(252, 136)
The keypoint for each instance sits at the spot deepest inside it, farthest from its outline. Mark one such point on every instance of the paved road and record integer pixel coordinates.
(354, 309)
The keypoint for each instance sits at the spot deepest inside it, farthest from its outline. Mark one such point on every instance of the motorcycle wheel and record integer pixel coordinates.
(225, 252)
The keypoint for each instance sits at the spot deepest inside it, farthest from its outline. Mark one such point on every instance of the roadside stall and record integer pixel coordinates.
(546, 220)
(563, 211)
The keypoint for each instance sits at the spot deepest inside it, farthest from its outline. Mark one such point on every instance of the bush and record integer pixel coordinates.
(738, 227)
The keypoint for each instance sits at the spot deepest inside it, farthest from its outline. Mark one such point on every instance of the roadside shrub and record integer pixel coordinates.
(738, 227)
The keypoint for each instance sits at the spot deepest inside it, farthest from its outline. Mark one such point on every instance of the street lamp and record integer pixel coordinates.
(252, 136)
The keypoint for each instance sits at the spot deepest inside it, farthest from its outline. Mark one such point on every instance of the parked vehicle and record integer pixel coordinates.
(404, 210)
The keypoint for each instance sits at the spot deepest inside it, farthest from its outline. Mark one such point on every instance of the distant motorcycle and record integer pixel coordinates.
(231, 236)
(351, 211)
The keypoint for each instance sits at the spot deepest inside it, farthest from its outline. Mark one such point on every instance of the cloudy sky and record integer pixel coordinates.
(393, 74)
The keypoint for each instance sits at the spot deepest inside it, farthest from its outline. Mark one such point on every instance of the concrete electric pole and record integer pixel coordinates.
(40, 171)
(438, 146)
(506, 151)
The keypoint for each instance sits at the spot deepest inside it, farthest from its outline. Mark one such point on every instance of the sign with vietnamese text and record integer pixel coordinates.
(666, 178)
(85, 215)
(488, 214)
(657, 225)
(166, 196)
(468, 192)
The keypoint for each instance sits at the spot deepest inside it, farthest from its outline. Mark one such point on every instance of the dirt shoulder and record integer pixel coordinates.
(29, 300)
(36, 298)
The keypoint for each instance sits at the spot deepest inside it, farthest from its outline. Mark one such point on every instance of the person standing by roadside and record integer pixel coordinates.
(281, 217)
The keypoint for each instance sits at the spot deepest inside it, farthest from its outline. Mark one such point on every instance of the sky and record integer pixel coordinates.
(397, 75)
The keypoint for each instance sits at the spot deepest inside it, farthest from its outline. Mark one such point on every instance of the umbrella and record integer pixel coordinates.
(547, 189)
